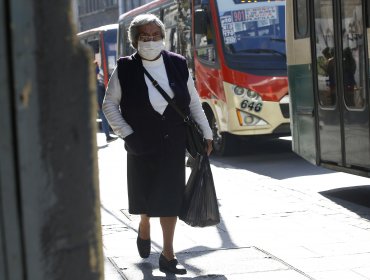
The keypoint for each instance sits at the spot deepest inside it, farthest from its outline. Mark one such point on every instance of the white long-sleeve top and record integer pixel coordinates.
(113, 95)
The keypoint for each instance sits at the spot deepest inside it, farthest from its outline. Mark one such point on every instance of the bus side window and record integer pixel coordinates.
(301, 27)
(204, 36)
(120, 42)
(126, 47)
(156, 12)
(95, 46)
(170, 21)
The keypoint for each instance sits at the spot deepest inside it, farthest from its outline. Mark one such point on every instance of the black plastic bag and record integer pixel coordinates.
(195, 142)
(199, 206)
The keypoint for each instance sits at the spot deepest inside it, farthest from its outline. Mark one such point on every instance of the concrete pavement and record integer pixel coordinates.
(270, 229)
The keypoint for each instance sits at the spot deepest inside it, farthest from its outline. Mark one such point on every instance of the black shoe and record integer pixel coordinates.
(111, 138)
(143, 246)
(171, 266)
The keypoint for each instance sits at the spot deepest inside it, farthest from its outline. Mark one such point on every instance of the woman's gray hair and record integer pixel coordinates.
(140, 20)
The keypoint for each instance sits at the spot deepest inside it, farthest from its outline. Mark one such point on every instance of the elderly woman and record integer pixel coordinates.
(153, 132)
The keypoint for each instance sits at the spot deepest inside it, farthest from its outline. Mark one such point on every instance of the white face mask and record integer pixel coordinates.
(151, 49)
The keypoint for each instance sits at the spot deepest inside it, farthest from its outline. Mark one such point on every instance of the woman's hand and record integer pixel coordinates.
(209, 147)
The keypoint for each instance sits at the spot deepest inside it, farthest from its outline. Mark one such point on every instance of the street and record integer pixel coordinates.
(282, 218)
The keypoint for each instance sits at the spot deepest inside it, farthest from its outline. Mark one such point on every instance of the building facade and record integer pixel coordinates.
(127, 5)
(94, 13)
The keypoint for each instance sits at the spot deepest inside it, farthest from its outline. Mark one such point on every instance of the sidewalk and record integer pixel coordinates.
(270, 229)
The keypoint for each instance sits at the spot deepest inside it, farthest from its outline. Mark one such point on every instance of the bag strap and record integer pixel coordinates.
(166, 96)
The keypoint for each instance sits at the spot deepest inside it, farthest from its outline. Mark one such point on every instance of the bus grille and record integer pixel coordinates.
(283, 129)
(285, 110)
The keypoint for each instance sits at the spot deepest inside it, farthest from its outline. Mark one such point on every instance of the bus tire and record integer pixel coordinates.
(227, 145)
(224, 144)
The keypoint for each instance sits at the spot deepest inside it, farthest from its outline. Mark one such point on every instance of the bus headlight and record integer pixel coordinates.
(251, 94)
(239, 90)
(246, 119)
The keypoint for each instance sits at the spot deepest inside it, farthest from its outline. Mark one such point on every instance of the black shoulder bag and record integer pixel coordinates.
(195, 142)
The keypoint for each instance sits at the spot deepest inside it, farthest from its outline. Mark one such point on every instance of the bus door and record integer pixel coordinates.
(342, 89)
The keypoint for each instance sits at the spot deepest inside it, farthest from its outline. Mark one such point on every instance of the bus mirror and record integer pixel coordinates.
(200, 22)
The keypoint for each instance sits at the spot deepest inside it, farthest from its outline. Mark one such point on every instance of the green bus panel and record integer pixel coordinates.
(302, 109)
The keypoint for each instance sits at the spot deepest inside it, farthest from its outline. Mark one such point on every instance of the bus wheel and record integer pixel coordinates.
(223, 143)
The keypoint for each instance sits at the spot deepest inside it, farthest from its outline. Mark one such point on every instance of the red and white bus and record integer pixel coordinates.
(236, 54)
(103, 42)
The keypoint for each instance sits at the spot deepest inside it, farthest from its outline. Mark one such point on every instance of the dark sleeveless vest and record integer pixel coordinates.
(154, 129)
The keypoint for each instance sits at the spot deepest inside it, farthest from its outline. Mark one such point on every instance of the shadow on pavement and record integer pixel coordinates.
(103, 146)
(269, 157)
(147, 268)
(352, 198)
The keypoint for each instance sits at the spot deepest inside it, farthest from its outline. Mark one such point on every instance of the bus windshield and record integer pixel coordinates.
(253, 29)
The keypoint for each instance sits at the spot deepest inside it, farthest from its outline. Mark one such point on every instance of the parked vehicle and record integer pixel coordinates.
(103, 41)
(328, 69)
(236, 54)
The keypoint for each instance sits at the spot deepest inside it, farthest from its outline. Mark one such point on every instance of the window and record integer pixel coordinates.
(327, 77)
(129, 5)
(353, 49)
(87, 7)
(170, 21)
(204, 41)
(301, 19)
(111, 3)
(124, 47)
(156, 12)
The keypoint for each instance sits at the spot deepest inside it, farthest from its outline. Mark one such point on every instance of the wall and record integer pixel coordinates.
(49, 197)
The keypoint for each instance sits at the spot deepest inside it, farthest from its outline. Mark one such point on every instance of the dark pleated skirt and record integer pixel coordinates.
(156, 182)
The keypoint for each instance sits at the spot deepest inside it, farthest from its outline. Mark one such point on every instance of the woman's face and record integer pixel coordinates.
(150, 42)
(149, 32)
